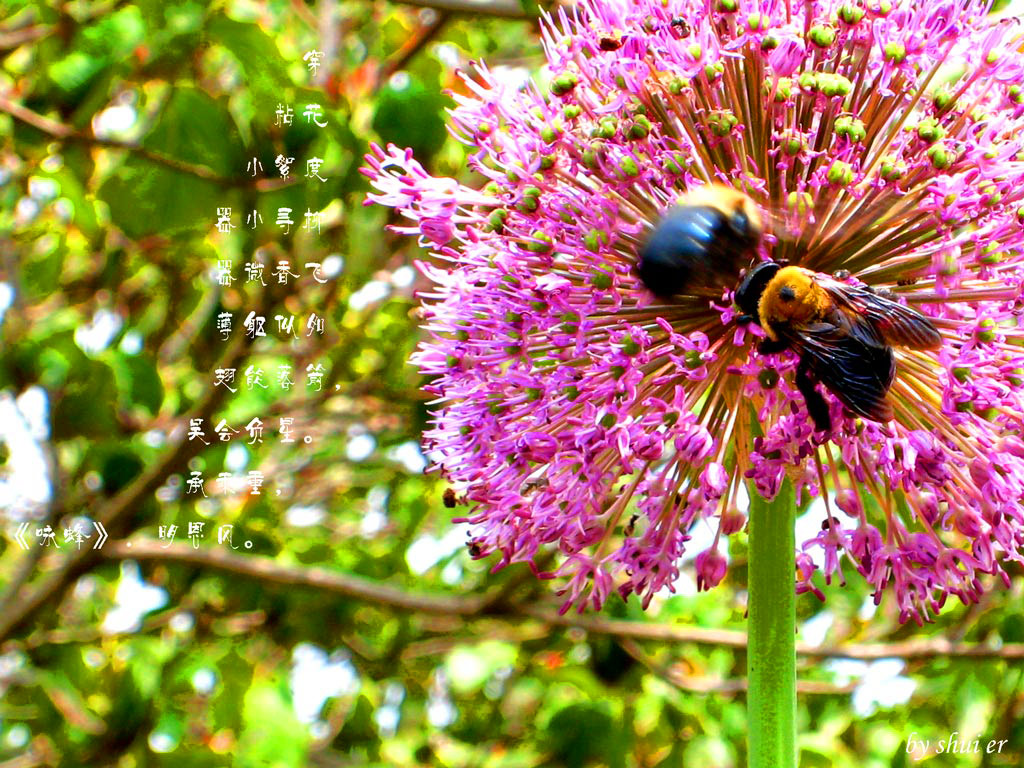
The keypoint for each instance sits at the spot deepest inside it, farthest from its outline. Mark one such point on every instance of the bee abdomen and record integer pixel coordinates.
(685, 250)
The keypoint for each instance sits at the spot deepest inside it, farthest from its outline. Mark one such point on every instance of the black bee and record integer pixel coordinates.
(703, 241)
(843, 334)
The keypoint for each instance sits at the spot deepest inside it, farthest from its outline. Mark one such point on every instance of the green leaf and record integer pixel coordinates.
(581, 733)
(87, 407)
(257, 54)
(272, 735)
(469, 668)
(146, 197)
(139, 382)
(411, 116)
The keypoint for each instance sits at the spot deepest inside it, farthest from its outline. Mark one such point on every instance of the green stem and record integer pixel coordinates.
(771, 642)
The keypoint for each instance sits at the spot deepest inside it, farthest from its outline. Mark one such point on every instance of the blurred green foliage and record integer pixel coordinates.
(126, 126)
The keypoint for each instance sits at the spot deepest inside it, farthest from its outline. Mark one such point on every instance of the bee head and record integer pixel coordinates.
(793, 295)
(748, 294)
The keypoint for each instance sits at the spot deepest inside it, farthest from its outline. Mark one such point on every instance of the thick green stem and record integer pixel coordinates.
(771, 642)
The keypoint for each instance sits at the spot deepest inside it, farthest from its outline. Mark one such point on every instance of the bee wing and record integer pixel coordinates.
(856, 372)
(873, 316)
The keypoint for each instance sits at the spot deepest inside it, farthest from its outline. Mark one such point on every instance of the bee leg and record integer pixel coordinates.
(769, 347)
(817, 408)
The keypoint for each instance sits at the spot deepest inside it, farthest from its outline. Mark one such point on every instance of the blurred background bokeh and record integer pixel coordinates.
(334, 618)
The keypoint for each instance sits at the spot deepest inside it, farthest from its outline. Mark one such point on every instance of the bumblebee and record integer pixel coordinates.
(702, 241)
(843, 334)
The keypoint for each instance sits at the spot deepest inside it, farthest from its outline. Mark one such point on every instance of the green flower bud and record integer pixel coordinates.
(940, 157)
(949, 267)
(564, 83)
(693, 359)
(895, 52)
(793, 144)
(892, 169)
(991, 192)
(530, 201)
(840, 173)
(594, 240)
(942, 99)
(629, 167)
(496, 221)
(756, 22)
(769, 43)
(808, 81)
(694, 51)
(606, 128)
(769, 378)
(801, 202)
(991, 254)
(571, 111)
(548, 133)
(850, 127)
(713, 71)
(639, 129)
(722, 122)
(783, 89)
(961, 373)
(726, 6)
(986, 330)
(541, 243)
(930, 131)
(674, 163)
(601, 280)
(630, 347)
(851, 14)
(822, 35)
(834, 85)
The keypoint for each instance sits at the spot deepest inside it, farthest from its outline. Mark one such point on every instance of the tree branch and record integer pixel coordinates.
(509, 9)
(66, 133)
(115, 513)
(472, 607)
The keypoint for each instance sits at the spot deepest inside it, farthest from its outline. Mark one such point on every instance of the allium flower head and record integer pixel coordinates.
(575, 409)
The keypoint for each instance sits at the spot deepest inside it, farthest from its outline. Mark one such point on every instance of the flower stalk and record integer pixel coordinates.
(771, 640)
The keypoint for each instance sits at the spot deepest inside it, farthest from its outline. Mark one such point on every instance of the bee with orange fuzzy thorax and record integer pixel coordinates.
(844, 336)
